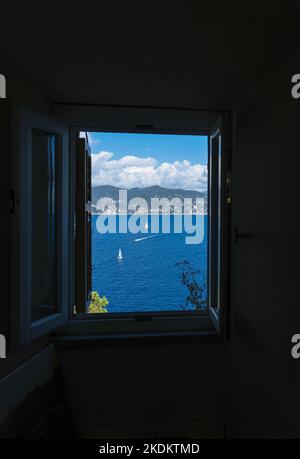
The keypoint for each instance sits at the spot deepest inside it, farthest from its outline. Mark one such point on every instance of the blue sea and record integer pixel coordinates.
(147, 278)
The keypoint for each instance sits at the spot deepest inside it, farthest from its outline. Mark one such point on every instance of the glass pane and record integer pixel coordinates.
(44, 190)
(149, 257)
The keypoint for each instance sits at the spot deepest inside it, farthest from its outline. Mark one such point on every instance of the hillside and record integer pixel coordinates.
(108, 191)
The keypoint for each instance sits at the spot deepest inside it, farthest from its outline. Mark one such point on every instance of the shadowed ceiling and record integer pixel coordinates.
(163, 53)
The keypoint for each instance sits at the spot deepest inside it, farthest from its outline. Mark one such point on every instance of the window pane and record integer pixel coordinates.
(44, 190)
(147, 258)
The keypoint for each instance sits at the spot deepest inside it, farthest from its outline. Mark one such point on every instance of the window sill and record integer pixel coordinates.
(94, 325)
(116, 332)
(136, 339)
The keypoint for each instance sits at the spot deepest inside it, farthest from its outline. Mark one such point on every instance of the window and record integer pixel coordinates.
(40, 225)
(139, 274)
(145, 212)
(164, 264)
(219, 225)
(44, 237)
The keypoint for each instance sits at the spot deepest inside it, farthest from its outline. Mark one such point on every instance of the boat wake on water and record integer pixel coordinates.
(143, 238)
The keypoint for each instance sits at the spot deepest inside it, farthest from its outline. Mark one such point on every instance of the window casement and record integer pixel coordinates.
(83, 229)
(219, 227)
(52, 242)
(40, 224)
(219, 202)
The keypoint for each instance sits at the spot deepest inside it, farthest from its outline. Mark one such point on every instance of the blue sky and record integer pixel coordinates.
(163, 147)
(129, 160)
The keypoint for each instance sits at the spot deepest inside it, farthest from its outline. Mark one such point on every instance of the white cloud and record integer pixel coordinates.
(134, 171)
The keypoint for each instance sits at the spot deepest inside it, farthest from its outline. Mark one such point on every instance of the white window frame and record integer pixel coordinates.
(155, 324)
(219, 227)
(160, 322)
(24, 329)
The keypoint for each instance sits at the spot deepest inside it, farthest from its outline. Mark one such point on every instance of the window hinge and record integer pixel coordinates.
(228, 190)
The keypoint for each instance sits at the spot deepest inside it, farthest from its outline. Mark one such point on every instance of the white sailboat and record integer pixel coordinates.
(146, 226)
(120, 256)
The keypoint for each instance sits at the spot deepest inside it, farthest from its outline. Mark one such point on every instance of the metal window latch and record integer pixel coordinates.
(238, 235)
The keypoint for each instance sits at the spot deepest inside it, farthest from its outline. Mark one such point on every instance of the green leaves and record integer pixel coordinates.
(197, 293)
(98, 304)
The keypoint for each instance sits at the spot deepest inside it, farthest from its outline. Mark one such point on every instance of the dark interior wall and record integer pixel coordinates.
(146, 384)
(119, 385)
(22, 89)
(263, 398)
(5, 117)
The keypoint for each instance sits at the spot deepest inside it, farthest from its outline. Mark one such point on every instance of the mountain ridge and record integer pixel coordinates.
(155, 191)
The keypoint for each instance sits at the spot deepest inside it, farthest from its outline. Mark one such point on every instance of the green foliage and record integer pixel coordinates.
(98, 304)
(197, 293)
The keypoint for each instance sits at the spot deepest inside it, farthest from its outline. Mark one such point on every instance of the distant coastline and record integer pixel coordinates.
(149, 213)
(147, 194)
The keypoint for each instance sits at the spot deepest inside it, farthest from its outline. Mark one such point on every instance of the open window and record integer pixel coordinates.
(163, 268)
(219, 228)
(147, 280)
(40, 225)
(83, 229)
